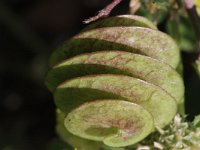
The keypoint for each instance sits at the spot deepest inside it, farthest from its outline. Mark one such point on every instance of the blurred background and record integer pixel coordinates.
(29, 31)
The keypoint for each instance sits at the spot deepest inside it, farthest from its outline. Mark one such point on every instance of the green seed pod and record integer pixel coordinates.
(115, 82)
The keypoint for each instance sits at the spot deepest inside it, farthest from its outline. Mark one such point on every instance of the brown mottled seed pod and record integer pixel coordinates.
(115, 82)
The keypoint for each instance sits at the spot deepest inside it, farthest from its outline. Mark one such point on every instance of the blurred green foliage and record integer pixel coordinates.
(178, 28)
(197, 66)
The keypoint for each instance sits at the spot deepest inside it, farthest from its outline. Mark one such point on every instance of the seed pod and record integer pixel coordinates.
(116, 81)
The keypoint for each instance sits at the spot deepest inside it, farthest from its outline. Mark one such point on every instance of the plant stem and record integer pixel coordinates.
(104, 12)
(194, 18)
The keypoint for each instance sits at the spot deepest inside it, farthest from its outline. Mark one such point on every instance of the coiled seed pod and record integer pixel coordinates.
(116, 81)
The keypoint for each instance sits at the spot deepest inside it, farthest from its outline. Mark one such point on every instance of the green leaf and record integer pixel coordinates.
(133, 39)
(115, 81)
(120, 87)
(75, 141)
(119, 62)
(115, 123)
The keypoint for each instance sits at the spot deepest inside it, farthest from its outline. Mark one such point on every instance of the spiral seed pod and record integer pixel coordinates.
(116, 81)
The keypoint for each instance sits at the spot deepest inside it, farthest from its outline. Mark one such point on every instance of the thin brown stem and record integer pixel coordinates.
(104, 12)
